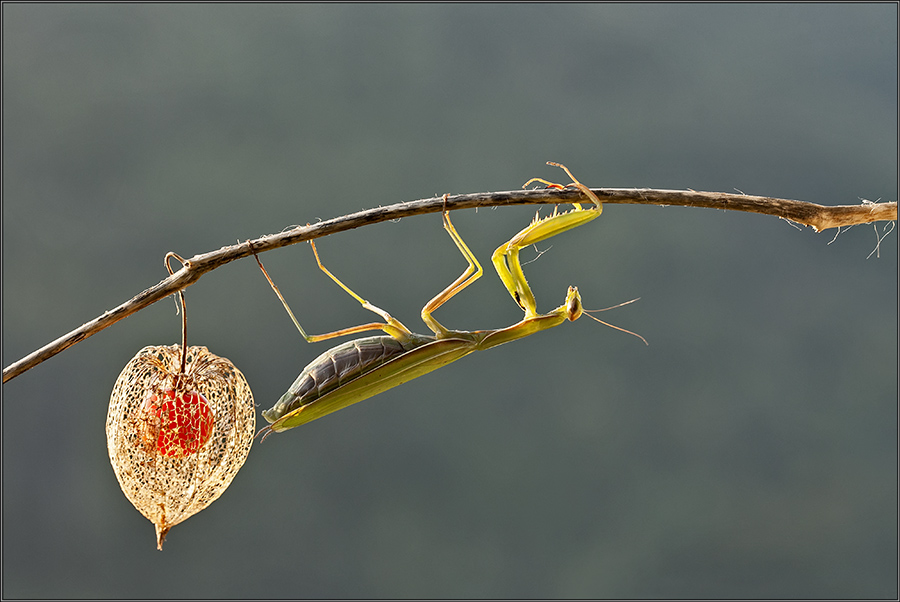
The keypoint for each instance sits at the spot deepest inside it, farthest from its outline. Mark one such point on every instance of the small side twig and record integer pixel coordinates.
(819, 217)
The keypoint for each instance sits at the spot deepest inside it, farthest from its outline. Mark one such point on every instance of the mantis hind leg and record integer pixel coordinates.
(472, 273)
(506, 257)
(392, 326)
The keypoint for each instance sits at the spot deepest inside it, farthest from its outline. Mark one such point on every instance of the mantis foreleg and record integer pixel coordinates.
(506, 257)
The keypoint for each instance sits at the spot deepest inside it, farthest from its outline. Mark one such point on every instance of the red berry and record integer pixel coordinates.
(178, 425)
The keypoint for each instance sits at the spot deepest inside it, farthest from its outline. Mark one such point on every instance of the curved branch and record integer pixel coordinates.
(819, 217)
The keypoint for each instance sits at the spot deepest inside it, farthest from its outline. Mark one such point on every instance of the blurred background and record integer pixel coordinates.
(749, 451)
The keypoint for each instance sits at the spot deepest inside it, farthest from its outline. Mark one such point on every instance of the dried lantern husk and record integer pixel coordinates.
(176, 441)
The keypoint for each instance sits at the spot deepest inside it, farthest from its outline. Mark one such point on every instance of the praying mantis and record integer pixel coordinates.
(361, 368)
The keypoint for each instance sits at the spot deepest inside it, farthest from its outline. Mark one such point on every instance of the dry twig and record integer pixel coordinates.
(819, 217)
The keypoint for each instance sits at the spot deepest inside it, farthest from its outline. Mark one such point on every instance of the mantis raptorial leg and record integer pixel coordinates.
(506, 257)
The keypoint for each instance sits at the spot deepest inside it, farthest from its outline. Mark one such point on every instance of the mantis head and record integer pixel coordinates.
(574, 308)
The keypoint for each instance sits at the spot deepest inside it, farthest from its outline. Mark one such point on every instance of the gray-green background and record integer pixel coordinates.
(750, 451)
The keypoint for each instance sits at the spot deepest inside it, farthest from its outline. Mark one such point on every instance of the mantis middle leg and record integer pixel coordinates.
(472, 273)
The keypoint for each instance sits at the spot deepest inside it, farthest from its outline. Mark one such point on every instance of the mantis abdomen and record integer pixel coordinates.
(335, 367)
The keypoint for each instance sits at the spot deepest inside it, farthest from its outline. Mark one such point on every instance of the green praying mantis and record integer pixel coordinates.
(356, 370)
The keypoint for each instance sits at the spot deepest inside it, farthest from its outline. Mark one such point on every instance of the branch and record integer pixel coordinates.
(818, 216)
